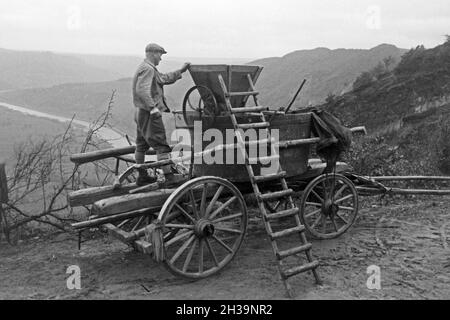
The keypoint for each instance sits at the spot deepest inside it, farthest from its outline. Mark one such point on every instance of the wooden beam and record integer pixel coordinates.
(130, 202)
(96, 222)
(119, 234)
(88, 196)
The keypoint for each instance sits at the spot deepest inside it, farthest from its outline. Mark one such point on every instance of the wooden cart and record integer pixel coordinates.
(197, 227)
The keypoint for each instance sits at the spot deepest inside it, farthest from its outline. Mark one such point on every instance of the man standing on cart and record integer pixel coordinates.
(148, 98)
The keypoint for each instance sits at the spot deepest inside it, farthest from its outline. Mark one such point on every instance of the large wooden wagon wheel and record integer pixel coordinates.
(209, 229)
(329, 206)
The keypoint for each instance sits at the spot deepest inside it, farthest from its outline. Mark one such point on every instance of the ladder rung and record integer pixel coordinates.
(276, 195)
(287, 232)
(291, 252)
(247, 93)
(283, 214)
(270, 177)
(257, 125)
(249, 109)
(263, 160)
(306, 267)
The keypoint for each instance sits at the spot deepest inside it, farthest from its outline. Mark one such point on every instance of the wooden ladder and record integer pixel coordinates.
(263, 198)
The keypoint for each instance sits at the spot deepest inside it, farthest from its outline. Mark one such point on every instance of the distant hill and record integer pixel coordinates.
(27, 69)
(326, 71)
(408, 108)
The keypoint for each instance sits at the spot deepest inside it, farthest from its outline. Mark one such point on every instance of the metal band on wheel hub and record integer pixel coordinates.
(204, 228)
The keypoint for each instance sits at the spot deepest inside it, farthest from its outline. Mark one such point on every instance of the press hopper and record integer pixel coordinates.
(235, 77)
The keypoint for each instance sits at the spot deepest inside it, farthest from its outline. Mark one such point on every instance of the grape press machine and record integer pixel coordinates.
(197, 226)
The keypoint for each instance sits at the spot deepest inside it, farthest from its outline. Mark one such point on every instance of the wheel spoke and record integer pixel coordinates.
(182, 249)
(210, 249)
(213, 201)
(314, 204)
(222, 207)
(223, 244)
(184, 212)
(340, 217)
(203, 203)
(200, 257)
(338, 194)
(179, 237)
(229, 230)
(313, 213)
(123, 223)
(325, 193)
(189, 256)
(334, 224)
(344, 198)
(179, 226)
(346, 208)
(233, 216)
(316, 222)
(324, 224)
(138, 223)
(194, 204)
(317, 196)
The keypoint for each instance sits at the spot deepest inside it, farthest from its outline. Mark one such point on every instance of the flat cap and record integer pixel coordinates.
(153, 47)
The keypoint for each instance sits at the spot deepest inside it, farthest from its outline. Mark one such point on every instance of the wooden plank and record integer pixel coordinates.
(96, 222)
(88, 196)
(130, 202)
(3, 184)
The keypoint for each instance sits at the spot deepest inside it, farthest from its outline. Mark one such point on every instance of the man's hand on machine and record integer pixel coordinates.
(185, 67)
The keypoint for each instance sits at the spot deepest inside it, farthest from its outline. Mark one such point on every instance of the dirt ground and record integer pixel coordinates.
(408, 240)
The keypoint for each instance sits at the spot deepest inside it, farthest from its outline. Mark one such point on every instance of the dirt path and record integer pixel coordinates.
(409, 242)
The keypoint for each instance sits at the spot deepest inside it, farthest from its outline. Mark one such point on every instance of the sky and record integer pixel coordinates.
(219, 28)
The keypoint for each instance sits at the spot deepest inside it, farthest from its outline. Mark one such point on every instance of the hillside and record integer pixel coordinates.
(327, 71)
(407, 111)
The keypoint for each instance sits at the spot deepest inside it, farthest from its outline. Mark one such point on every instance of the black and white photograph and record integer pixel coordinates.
(243, 152)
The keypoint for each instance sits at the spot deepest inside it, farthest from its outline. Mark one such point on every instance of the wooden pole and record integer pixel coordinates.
(411, 178)
(376, 191)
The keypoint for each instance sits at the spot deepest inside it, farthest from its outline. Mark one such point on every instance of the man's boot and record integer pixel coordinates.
(144, 179)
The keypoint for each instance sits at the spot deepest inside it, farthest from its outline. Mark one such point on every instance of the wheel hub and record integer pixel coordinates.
(204, 228)
(329, 208)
